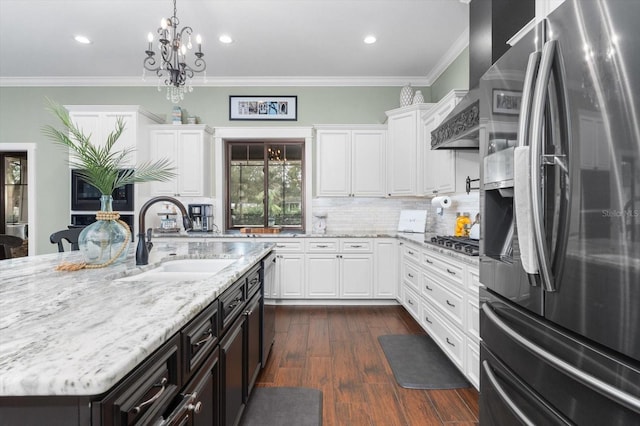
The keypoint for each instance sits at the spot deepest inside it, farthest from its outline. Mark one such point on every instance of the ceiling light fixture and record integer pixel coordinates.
(370, 39)
(225, 38)
(173, 65)
(82, 39)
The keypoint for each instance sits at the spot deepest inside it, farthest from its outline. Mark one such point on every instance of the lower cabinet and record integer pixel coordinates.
(254, 341)
(232, 375)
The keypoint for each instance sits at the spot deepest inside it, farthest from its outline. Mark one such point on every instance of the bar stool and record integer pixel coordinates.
(7, 242)
(69, 235)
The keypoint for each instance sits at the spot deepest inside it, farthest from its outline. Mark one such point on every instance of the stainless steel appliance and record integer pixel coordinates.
(464, 245)
(85, 197)
(560, 247)
(202, 217)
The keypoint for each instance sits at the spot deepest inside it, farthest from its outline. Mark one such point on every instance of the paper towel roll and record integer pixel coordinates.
(444, 202)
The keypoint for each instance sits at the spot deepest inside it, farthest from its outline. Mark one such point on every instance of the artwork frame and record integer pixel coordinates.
(263, 108)
(506, 102)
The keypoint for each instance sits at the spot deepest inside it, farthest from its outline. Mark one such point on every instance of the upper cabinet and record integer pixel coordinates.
(404, 150)
(350, 161)
(100, 120)
(439, 166)
(189, 147)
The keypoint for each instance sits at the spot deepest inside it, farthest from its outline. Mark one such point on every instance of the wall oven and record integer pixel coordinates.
(85, 197)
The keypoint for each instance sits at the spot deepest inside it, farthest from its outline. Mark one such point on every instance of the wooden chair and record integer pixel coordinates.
(69, 235)
(7, 242)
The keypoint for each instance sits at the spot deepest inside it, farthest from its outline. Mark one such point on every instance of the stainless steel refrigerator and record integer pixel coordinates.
(560, 197)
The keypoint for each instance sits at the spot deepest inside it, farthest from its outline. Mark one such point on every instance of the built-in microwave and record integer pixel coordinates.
(85, 197)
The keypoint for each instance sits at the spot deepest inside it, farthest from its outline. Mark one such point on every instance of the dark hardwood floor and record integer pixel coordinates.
(336, 350)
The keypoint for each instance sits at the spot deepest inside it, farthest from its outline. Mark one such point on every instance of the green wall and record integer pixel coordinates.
(456, 76)
(23, 114)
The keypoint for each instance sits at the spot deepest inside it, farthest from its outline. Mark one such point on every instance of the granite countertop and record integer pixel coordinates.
(217, 235)
(79, 333)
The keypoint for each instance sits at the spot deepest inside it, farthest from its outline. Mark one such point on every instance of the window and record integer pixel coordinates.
(258, 168)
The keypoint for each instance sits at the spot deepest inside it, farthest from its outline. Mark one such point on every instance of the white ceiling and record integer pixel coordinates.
(279, 42)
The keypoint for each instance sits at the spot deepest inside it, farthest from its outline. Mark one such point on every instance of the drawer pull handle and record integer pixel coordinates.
(410, 301)
(235, 302)
(356, 245)
(195, 408)
(410, 276)
(209, 336)
(410, 252)
(428, 261)
(428, 320)
(428, 288)
(450, 271)
(322, 245)
(280, 246)
(248, 312)
(450, 342)
(162, 383)
(450, 304)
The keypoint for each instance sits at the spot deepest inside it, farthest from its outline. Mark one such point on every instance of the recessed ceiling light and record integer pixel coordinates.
(225, 38)
(82, 39)
(370, 39)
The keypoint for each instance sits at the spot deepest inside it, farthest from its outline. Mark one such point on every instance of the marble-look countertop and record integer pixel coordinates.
(79, 333)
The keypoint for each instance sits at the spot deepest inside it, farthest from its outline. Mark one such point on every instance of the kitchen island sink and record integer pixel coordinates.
(182, 270)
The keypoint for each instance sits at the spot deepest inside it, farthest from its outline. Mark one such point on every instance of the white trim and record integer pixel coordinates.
(30, 148)
(333, 302)
(452, 54)
(255, 81)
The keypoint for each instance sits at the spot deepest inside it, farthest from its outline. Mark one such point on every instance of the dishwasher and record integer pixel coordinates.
(268, 305)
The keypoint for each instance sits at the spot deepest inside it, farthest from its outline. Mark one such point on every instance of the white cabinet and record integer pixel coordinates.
(350, 162)
(98, 121)
(439, 166)
(385, 277)
(404, 150)
(339, 269)
(290, 267)
(190, 150)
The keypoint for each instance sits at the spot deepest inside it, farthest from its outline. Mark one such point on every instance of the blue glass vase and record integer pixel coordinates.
(106, 241)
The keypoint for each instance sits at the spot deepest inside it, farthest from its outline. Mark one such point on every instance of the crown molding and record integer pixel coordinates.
(452, 54)
(318, 81)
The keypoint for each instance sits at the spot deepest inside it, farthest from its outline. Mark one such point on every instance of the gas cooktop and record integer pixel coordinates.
(464, 245)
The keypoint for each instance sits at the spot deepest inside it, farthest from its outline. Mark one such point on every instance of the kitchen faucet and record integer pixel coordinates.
(145, 244)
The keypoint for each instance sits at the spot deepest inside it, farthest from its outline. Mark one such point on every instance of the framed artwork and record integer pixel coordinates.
(283, 108)
(506, 102)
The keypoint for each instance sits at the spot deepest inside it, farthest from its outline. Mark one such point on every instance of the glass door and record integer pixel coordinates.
(14, 212)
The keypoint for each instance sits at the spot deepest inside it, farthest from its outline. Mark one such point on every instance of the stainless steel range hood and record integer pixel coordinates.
(460, 129)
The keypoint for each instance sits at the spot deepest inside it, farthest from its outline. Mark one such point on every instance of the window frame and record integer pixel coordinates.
(264, 143)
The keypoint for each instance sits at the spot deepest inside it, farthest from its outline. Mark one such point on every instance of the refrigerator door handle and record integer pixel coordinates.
(619, 396)
(505, 396)
(527, 94)
(537, 117)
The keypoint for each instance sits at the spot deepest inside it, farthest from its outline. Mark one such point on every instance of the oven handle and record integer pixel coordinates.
(504, 396)
(621, 397)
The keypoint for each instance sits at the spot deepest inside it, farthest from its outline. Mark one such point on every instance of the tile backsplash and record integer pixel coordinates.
(382, 214)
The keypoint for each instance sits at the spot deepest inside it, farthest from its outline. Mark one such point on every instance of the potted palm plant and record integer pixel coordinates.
(105, 241)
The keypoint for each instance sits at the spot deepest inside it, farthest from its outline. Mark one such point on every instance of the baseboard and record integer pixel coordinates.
(333, 302)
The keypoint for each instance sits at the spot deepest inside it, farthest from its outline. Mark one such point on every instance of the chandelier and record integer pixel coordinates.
(173, 67)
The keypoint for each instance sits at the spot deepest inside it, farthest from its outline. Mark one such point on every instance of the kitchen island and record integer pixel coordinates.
(76, 335)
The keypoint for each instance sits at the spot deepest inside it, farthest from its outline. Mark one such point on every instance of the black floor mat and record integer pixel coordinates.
(418, 363)
(283, 407)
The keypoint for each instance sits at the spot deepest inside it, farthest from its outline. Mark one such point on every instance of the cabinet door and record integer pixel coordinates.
(386, 279)
(402, 153)
(89, 124)
(290, 275)
(322, 273)
(333, 163)
(190, 163)
(232, 373)
(127, 139)
(439, 164)
(356, 275)
(368, 156)
(164, 145)
(254, 348)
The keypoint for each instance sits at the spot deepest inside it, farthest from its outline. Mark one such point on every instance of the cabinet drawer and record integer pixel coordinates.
(410, 252)
(473, 318)
(356, 246)
(448, 301)
(472, 364)
(411, 275)
(449, 269)
(448, 337)
(290, 246)
(199, 338)
(232, 302)
(324, 245)
(143, 397)
(253, 282)
(411, 301)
